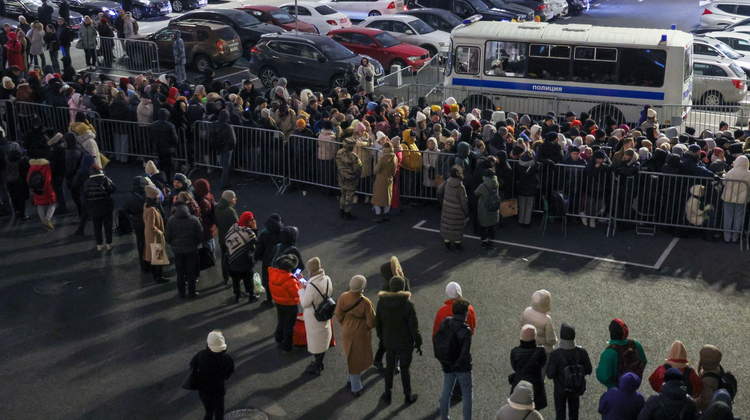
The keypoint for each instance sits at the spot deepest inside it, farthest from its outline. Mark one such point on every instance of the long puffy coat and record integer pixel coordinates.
(318, 332)
(47, 197)
(455, 209)
(356, 330)
(385, 170)
(538, 315)
(154, 232)
(487, 218)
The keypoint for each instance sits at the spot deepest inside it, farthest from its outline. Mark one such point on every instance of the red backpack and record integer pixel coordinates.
(628, 359)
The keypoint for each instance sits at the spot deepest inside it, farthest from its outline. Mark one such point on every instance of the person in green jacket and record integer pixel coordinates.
(608, 371)
(226, 217)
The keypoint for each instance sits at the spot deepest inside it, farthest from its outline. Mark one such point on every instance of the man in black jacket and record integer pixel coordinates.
(567, 354)
(266, 249)
(98, 190)
(184, 233)
(73, 154)
(164, 137)
(673, 402)
(211, 367)
(44, 13)
(56, 157)
(223, 141)
(64, 10)
(457, 367)
(134, 209)
(398, 329)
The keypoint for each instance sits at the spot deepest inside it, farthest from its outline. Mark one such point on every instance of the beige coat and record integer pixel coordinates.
(154, 229)
(385, 170)
(365, 156)
(318, 333)
(356, 330)
(286, 125)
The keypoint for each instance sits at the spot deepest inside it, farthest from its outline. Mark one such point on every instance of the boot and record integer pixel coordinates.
(447, 246)
(410, 399)
(386, 397)
(349, 216)
(378, 219)
(459, 247)
(342, 214)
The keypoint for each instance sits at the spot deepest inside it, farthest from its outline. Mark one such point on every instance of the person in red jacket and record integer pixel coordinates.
(44, 194)
(13, 50)
(284, 287)
(678, 359)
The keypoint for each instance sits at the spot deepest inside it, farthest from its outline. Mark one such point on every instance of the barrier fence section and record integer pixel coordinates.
(127, 55)
(123, 139)
(58, 118)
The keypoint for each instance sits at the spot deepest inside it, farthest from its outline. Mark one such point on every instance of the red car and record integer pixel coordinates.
(381, 46)
(277, 17)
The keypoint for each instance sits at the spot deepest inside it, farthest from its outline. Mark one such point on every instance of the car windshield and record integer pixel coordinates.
(495, 3)
(386, 40)
(335, 51)
(479, 6)
(243, 19)
(324, 10)
(421, 27)
(728, 51)
(452, 19)
(31, 4)
(282, 16)
(744, 22)
(737, 70)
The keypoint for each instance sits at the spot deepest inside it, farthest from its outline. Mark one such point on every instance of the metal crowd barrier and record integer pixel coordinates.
(58, 118)
(123, 139)
(127, 55)
(312, 161)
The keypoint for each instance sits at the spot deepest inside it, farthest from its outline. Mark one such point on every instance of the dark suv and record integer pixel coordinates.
(466, 8)
(249, 28)
(304, 59)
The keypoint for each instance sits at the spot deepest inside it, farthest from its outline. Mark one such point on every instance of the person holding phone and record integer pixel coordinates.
(311, 295)
(284, 288)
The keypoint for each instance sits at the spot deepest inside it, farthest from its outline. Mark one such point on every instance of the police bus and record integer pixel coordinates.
(535, 67)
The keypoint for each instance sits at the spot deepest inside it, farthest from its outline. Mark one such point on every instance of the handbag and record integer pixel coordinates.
(103, 159)
(158, 256)
(207, 259)
(79, 44)
(509, 207)
(191, 382)
(368, 78)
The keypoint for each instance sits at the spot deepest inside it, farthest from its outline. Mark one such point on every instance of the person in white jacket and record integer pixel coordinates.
(538, 315)
(310, 297)
(430, 163)
(735, 197)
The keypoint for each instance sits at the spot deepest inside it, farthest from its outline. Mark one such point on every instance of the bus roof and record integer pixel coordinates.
(573, 33)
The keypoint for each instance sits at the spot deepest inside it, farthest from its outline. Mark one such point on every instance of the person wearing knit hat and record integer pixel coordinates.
(225, 216)
(240, 241)
(215, 367)
(718, 163)
(538, 315)
(452, 293)
(398, 328)
(567, 354)
(311, 296)
(356, 314)
(527, 361)
(672, 399)
(678, 360)
(620, 345)
(98, 190)
(711, 372)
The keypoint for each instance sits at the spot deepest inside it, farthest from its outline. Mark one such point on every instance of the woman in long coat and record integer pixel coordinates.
(366, 73)
(356, 315)
(154, 232)
(382, 191)
(455, 208)
(319, 333)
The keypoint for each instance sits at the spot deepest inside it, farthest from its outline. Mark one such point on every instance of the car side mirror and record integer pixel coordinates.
(373, 45)
(409, 32)
(321, 59)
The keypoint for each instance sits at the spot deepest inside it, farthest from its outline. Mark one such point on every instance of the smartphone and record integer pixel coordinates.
(302, 280)
(296, 273)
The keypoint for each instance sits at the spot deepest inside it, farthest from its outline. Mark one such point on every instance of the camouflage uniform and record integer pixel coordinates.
(349, 171)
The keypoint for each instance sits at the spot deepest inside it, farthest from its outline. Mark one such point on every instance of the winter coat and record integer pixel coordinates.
(98, 191)
(561, 357)
(349, 166)
(212, 370)
(56, 157)
(538, 315)
(154, 229)
(36, 42)
(240, 243)
(184, 232)
(87, 34)
(47, 196)
(363, 149)
(657, 379)
(134, 203)
(88, 142)
(674, 397)
(365, 73)
(318, 332)
(736, 190)
(623, 402)
(447, 310)
(327, 149)
(225, 216)
(430, 165)
(487, 218)
(288, 246)
(459, 361)
(163, 135)
(13, 51)
(520, 405)
(357, 319)
(455, 209)
(690, 165)
(267, 241)
(607, 372)
(286, 124)
(284, 287)
(527, 361)
(207, 216)
(145, 112)
(385, 170)
(396, 321)
(597, 183)
(527, 179)
(695, 211)
(51, 41)
(549, 152)
(221, 134)
(178, 48)
(412, 159)
(119, 110)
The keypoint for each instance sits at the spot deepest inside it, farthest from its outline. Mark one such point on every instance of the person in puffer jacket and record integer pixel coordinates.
(184, 233)
(696, 212)
(134, 205)
(520, 404)
(240, 243)
(98, 190)
(673, 402)
(623, 402)
(284, 287)
(735, 197)
(264, 251)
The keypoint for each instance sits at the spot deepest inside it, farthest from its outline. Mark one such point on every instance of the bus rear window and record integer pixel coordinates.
(642, 67)
(467, 60)
(505, 59)
(688, 63)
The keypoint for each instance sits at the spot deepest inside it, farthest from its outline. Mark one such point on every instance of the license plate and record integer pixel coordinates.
(344, 20)
(233, 48)
(165, 9)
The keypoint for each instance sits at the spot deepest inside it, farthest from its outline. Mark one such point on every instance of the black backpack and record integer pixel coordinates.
(727, 381)
(559, 205)
(574, 376)
(326, 309)
(492, 202)
(122, 223)
(685, 378)
(442, 343)
(36, 182)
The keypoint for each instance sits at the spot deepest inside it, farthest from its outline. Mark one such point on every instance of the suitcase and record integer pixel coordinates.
(299, 336)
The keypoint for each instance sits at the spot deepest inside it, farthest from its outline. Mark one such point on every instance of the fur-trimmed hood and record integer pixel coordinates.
(395, 295)
(88, 135)
(56, 138)
(38, 162)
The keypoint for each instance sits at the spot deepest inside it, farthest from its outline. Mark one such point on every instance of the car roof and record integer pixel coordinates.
(302, 36)
(198, 23)
(258, 7)
(359, 30)
(737, 2)
(217, 11)
(427, 10)
(404, 18)
(728, 34)
(705, 39)
(705, 59)
(307, 3)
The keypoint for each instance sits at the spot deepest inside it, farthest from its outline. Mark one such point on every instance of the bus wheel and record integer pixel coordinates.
(601, 111)
(478, 101)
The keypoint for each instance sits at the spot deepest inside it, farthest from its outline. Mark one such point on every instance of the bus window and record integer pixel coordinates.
(549, 62)
(595, 65)
(641, 67)
(505, 59)
(467, 60)
(688, 64)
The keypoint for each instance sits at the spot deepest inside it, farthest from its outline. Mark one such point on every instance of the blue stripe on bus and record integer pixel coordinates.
(571, 90)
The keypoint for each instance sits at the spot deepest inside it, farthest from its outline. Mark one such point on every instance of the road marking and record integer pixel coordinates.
(656, 266)
(235, 73)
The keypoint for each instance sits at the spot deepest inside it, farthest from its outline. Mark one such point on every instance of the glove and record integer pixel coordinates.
(419, 350)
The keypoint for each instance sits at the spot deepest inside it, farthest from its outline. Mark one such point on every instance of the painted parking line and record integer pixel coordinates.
(656, 266)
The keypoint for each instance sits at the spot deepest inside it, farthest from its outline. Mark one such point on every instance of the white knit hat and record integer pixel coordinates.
(216, 342)
(453, 291)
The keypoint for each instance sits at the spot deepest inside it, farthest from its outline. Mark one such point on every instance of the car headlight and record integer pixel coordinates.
(412, 58)
(445, 44)
(104, 9)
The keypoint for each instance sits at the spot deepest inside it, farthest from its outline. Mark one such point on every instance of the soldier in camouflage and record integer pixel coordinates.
(349, 171)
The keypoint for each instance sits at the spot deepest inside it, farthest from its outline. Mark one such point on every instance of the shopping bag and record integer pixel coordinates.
(509, 207)
(158, 256)
(258, 285)
(299, 336)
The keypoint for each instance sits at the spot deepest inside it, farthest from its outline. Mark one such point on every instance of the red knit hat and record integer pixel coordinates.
(245, 219)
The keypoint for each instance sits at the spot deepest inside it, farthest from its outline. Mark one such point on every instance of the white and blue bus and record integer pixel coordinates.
(535, 67)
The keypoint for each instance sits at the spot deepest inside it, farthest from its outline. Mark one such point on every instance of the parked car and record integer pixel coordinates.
(523, 13)
(439, 20)
(207, 44)
(710, 47)
(180, 6)
(278, 17)
(93, 7)
(411, 30)
(293, 56)
(382, 46)
(545, 9)
(143, 9)
(719, 14)
(249, 28)
(358, 9)
(578, 6)
(718, 81)
(28, 9)
(320, 16)
(466, 8)
(738, 41)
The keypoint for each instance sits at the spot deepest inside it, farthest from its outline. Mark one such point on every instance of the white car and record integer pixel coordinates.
(358, 9)
(738, 41)
(319, 15)
(411, 30)
(719, 14)
(705, 46)
(717, 81)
